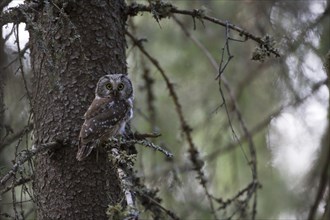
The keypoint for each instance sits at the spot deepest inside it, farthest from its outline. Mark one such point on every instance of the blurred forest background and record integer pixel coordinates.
(284, 103)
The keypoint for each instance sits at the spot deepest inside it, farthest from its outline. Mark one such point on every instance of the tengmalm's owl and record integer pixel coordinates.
(108, 114)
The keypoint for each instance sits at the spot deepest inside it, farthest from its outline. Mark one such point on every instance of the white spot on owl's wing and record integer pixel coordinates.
(130, 102)
(122, 128)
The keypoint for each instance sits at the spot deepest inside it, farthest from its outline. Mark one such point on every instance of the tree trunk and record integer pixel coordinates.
(2, 85)
(73, 43)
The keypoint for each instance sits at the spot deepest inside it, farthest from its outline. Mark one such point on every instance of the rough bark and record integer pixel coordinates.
(2, 79)
(73, 43)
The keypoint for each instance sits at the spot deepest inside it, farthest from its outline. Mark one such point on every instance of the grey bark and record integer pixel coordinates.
(73, 43)
(2, 80)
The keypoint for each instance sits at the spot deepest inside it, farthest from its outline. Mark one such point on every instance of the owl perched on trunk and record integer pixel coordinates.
(108, 114)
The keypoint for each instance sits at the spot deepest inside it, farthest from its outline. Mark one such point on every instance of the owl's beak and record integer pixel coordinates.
(114, 92)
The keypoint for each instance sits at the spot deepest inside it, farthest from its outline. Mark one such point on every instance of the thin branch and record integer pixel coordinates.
(25, 156)
(168, 212)
(142, 142)
(139, 136)
(150, 97)
(148, 85)
(265, 122)
(196, 41)
(240, 193)
(14, 137)
(4, 3)
(21, 64)
(322, 186)
(193, 152)
(222, 65)
(20, 54)
(225, 51)
(253, 161)
(163, 10)
(220, 69)
(18, 14)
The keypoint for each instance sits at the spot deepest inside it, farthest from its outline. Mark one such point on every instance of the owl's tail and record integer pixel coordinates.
(84, 150)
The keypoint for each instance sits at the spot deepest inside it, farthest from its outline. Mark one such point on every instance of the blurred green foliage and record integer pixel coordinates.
(260, 89)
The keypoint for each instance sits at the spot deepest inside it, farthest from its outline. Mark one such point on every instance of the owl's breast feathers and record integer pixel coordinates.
(104, 118)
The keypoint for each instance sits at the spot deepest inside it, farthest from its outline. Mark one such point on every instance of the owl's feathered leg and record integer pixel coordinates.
(84, 150)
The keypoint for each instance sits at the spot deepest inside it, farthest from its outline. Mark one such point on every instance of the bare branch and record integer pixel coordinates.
(265, 122)
(20, 54)
(17, 14)
(153, 201)
(193, 151)
(225, 203)
(4, 3)
(148, 84)
(247, 133)
(162, 10)
(14, 137)
(21, 68)
(25, 156)
(139, 136)
(323, 184)
(143, 142)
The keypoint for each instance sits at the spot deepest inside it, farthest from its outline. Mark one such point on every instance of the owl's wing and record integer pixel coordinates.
(98, 106)
(101, 118)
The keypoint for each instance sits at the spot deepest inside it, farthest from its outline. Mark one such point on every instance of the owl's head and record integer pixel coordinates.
(117, 86)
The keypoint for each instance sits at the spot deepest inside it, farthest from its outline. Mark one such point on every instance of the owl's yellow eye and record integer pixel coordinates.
(120, 86)
(108, 86)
